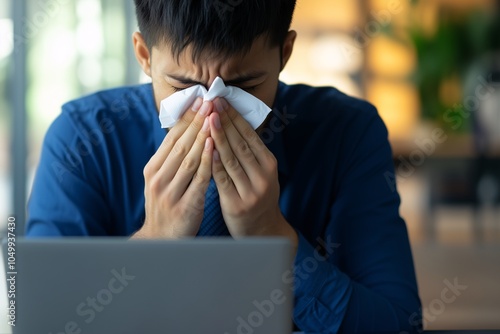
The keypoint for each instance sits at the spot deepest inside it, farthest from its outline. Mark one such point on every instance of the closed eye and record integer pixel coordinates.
(248, 89)
(177, 89)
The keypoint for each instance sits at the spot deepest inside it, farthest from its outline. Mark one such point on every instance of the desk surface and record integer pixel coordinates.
(459, 146)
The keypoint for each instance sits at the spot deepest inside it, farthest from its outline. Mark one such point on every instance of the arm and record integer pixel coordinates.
(69, 199)
(376, 288)
(64, 200)
(376, 291)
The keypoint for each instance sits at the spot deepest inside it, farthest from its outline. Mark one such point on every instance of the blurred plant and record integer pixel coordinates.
(445, 55)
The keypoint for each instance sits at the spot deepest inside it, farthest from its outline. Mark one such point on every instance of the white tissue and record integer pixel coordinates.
(251, 108)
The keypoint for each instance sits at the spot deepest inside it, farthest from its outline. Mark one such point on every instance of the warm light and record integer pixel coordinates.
(390, 58)
(333, 54)
(326, 14)
(303, 67)
(450, 91)
(397, 104)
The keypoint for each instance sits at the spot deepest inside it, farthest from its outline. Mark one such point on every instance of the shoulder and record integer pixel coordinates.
(327, 111)
(321, 102)
(132, 103)
(120, 112)
(123, 107)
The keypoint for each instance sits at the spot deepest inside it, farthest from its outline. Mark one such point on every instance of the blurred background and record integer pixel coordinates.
(431, 67)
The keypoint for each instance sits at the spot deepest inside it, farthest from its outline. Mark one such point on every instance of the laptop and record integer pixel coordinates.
(116, 285)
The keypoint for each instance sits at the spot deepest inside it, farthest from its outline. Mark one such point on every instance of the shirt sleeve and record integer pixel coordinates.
(376, 289)
(66, 199)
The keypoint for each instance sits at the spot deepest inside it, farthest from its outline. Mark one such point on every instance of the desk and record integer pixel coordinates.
(454, 146)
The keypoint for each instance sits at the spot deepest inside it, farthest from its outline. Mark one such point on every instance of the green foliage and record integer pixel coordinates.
(456, 44)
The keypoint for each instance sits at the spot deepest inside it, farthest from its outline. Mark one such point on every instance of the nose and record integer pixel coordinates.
(212, 79)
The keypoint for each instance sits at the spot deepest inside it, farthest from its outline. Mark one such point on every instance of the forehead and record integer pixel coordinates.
(257, 56)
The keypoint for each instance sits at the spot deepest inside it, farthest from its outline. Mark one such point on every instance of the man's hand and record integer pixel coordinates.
(246, 175)
(177, 177)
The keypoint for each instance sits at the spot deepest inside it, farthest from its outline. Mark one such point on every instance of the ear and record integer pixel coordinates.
(288, 47)
(142, 53)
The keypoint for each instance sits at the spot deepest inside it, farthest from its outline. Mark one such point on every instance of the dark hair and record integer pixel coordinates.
(221, 27)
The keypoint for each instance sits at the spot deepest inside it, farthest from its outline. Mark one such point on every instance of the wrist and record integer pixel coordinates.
(140, 234)
(289, 232)
(147, 231)
(279, 227)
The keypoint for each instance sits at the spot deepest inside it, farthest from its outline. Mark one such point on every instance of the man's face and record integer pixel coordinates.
(256, 71)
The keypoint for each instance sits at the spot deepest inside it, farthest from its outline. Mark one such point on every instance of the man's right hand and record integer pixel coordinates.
(177, 177)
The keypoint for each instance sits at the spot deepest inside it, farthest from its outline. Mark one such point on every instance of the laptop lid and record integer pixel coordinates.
(116, 285)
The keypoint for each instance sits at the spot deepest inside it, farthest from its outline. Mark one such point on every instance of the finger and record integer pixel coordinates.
(230, 162)
(184, 144)
(259, 149)
(196, 190)
(238, 144)
(191, 163)
(225, 185)
(172, 136)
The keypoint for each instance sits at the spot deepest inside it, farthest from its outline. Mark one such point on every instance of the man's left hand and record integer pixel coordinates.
(246, 175)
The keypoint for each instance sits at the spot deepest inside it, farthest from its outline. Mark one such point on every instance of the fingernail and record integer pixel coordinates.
(216, 155)
(207, 144)
(204, 109)
(220, 104)
(217, 122)
(197, 104)
(206, 125)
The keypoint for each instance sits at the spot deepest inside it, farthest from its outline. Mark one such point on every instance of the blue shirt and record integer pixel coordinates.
(353, 270)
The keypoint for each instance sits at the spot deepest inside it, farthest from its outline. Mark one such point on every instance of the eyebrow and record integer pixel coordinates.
(236, 81)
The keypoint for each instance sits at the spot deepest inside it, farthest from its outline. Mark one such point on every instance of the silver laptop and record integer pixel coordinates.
(114, 285)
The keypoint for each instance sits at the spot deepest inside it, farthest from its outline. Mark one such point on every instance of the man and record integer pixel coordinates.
(314, 172)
